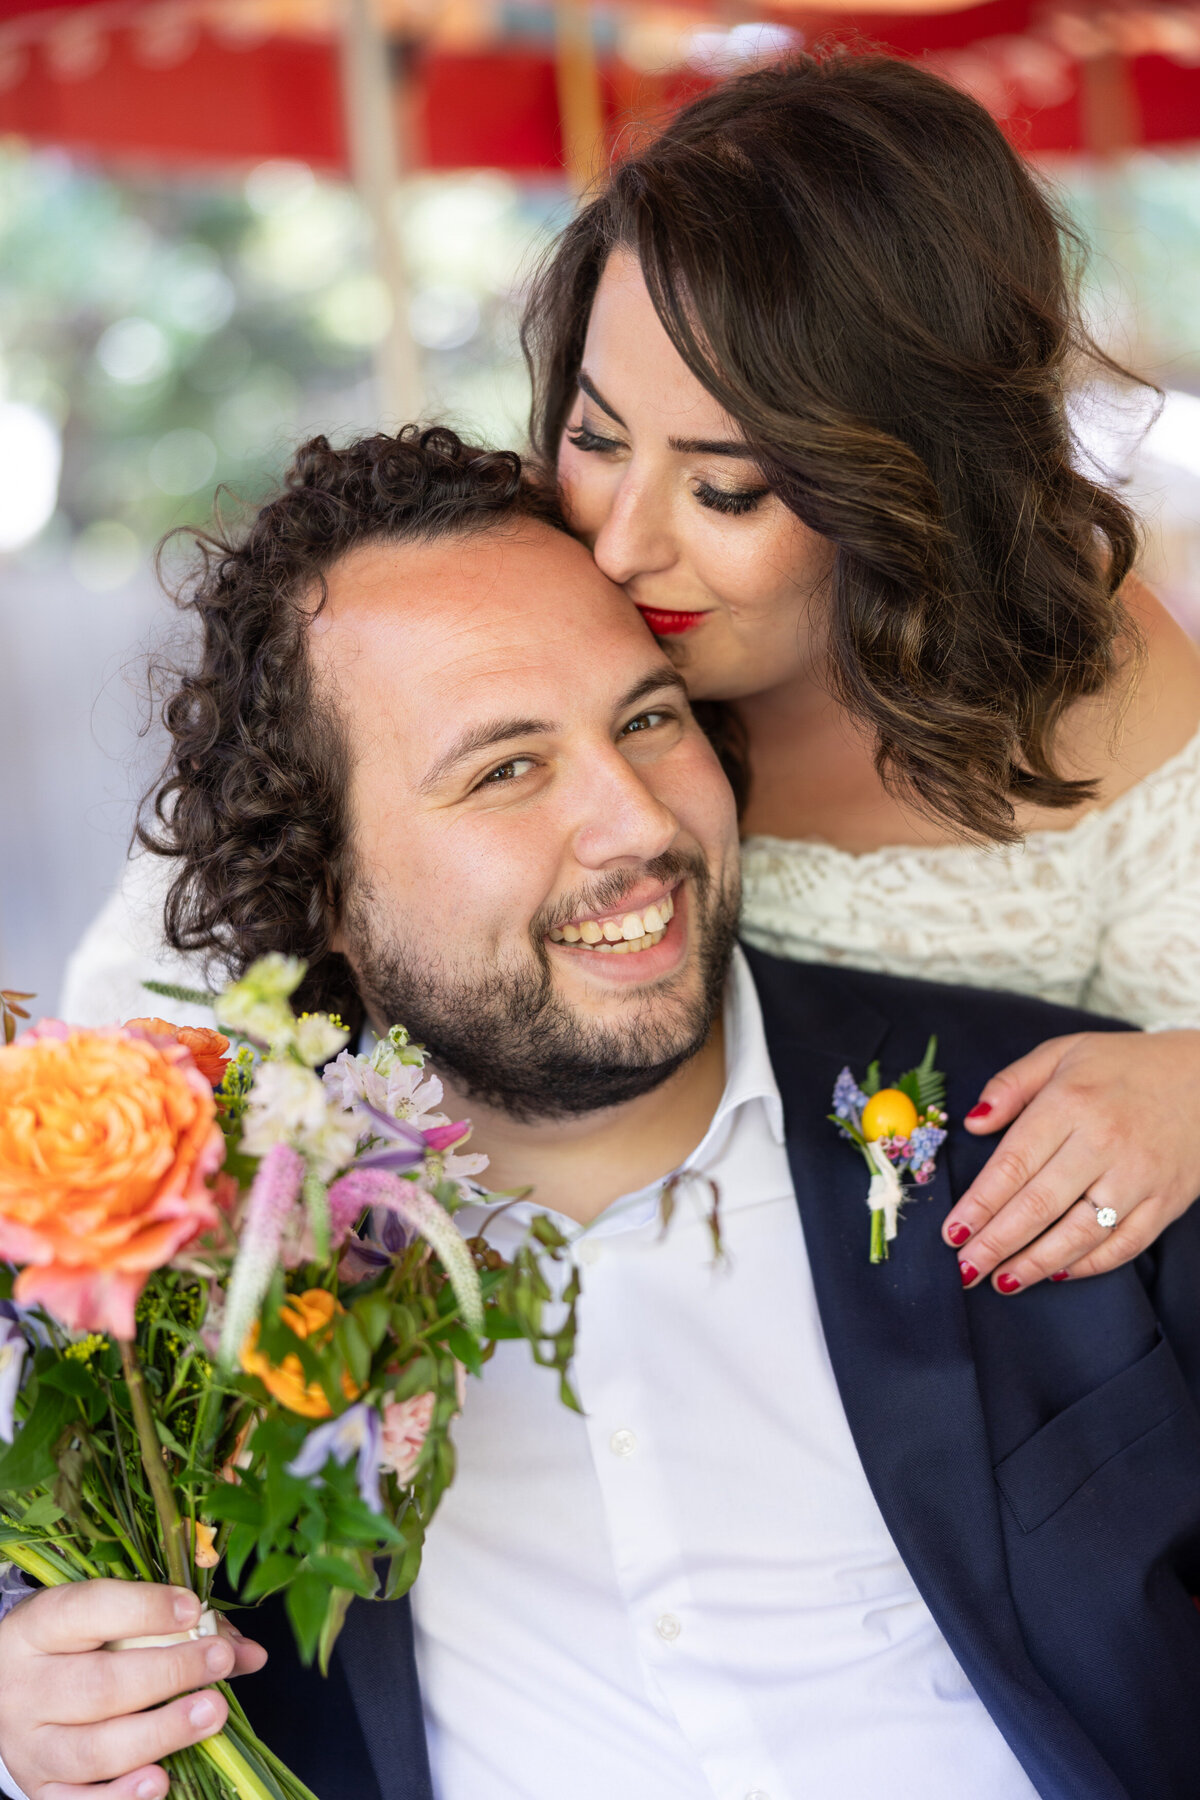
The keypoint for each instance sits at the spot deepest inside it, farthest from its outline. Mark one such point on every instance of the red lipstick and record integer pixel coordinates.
(670, 624)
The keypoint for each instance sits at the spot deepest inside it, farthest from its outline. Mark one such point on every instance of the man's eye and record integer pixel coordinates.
(509, 771)
(647, 721)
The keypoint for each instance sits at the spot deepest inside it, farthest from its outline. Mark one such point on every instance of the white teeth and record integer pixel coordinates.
(636, 931)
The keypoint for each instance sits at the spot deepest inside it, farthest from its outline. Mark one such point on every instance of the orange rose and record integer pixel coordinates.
(106, 1144)
(309, 1315)
(207, 1048)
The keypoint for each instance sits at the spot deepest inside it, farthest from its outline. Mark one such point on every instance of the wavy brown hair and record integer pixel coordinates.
(253, 799)
(850, 257)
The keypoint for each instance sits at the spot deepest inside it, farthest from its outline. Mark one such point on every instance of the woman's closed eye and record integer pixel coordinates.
(584, 438)
(735, 501)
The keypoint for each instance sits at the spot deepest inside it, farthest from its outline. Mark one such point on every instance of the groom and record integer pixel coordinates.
(826, 1529)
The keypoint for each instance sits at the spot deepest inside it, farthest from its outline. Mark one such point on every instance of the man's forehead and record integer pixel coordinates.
(462, 623)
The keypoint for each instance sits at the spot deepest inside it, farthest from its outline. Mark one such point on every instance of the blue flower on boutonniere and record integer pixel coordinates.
(899, 1130)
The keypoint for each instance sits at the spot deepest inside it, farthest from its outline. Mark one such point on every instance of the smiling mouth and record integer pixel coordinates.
(670, 624)
(620, 934)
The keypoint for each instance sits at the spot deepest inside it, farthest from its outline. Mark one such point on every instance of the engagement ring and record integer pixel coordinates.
(1106, 1216)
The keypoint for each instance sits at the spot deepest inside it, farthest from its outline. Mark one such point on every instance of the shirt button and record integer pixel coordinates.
(668, 1628)
(622, 1443)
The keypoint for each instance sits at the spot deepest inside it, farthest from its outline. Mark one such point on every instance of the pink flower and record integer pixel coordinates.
(405, 1427)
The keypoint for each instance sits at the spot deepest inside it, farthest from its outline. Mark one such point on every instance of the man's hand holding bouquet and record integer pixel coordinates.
(237, 1316)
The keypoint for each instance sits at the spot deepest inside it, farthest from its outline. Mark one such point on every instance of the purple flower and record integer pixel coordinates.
(927, 1140)
(13, 1350)
(357, 1432)
(848, 1098)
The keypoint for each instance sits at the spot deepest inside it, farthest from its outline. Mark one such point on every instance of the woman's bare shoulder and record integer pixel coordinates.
(1149, 716)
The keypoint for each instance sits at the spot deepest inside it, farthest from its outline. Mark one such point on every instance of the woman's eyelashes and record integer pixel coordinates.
(733, 502)
(584, 438)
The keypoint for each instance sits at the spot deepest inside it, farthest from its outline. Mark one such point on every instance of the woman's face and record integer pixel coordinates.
(658, 483)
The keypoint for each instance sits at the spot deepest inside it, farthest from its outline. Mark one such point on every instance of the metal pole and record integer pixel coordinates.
(580, 103)
(374, 165)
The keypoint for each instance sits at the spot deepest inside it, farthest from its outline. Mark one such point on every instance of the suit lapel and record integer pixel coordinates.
(901, 1353)
(376, 1652)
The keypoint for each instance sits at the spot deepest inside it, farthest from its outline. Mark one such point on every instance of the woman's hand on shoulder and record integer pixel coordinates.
(1099, 1123)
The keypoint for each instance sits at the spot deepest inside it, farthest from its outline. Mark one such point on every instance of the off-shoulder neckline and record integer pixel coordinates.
(1046, 837)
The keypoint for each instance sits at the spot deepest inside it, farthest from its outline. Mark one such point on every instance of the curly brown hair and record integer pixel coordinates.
(850, 257)
(253, 797)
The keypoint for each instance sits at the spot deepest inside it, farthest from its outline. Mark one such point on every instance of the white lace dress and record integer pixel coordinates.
(1104, 915)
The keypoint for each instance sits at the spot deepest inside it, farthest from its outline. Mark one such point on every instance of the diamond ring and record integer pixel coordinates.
(1106, 1216)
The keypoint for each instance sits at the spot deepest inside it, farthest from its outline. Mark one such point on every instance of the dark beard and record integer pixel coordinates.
(509, 1040)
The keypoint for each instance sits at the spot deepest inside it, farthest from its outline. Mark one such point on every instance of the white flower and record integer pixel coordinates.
(289, 1104)
(317, 1037)
(401, 1090)
(258, 1006)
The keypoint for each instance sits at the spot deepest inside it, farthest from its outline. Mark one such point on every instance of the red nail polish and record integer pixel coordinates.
(969, 1273)
(1008, 1284)
(981, 1110)
(1061, 1275)
(958, 1233)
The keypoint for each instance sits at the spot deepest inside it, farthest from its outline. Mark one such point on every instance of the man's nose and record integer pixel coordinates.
(635, 538)
(621, 820)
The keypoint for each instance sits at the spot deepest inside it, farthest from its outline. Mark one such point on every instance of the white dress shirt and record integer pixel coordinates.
(689, 1593)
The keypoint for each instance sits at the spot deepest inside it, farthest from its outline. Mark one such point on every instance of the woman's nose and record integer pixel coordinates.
(634, 539)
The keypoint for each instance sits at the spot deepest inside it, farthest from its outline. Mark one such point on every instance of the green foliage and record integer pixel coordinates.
(30, 1461)
(925, 1085)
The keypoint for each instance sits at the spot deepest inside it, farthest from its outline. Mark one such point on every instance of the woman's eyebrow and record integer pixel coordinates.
(593, 393)
(681, 446)
(711, 447)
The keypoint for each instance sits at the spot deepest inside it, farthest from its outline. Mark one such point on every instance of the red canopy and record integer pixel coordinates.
(188, 82)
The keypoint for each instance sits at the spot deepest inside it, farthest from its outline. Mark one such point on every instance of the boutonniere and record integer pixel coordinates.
(899, 1130)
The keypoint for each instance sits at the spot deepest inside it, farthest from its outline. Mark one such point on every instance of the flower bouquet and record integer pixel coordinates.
(235, 1317)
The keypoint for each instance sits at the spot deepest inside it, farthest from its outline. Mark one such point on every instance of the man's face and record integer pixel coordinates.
(527, 786)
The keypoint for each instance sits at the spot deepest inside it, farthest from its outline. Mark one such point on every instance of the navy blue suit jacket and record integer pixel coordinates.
(1036, 1458)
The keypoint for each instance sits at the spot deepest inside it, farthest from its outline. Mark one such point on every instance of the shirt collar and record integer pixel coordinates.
(748, 1071)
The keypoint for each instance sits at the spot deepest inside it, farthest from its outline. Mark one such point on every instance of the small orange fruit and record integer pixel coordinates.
(889, 1113)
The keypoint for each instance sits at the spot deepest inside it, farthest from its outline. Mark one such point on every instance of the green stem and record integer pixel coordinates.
(177, 1559)
(34, 1563)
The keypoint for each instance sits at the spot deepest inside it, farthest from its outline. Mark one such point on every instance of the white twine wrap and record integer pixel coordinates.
(206, 1626)
(886, 1191)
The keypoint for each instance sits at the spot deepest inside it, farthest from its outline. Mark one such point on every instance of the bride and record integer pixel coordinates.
(802, 368)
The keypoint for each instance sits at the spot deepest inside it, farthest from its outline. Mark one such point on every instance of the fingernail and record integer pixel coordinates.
(146, 1790)
(980, 1110)
(969, 1273)
(1061, 1275)
(218, 1659)
(1008, 1284)
(202, 1712)
(187, 1607)
(958, 1233)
